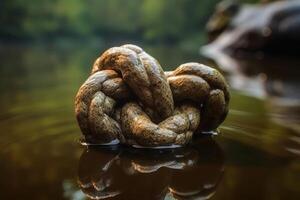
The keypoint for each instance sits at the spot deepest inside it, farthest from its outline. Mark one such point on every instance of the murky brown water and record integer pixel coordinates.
(256, 156)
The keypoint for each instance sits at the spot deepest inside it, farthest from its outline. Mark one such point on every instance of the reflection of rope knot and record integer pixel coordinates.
(129, 97)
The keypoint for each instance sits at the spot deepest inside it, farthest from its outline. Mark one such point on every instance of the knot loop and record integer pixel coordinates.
(130, 98)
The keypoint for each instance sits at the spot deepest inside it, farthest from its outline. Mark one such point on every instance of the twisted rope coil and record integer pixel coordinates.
(130, 98)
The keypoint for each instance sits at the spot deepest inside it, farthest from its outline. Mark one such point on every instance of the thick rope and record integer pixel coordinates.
(129, 97)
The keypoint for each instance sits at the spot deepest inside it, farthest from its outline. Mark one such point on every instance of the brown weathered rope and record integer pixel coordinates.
(129, 97)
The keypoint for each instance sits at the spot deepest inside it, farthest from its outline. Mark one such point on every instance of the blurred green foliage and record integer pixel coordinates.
(154, 20)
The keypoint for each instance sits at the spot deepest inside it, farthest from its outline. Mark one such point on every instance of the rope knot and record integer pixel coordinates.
(128, 97)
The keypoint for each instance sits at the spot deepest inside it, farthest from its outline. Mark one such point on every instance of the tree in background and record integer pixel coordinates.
(155, 20)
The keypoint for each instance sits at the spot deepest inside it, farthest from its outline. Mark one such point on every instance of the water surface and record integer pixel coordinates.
(255, 156)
